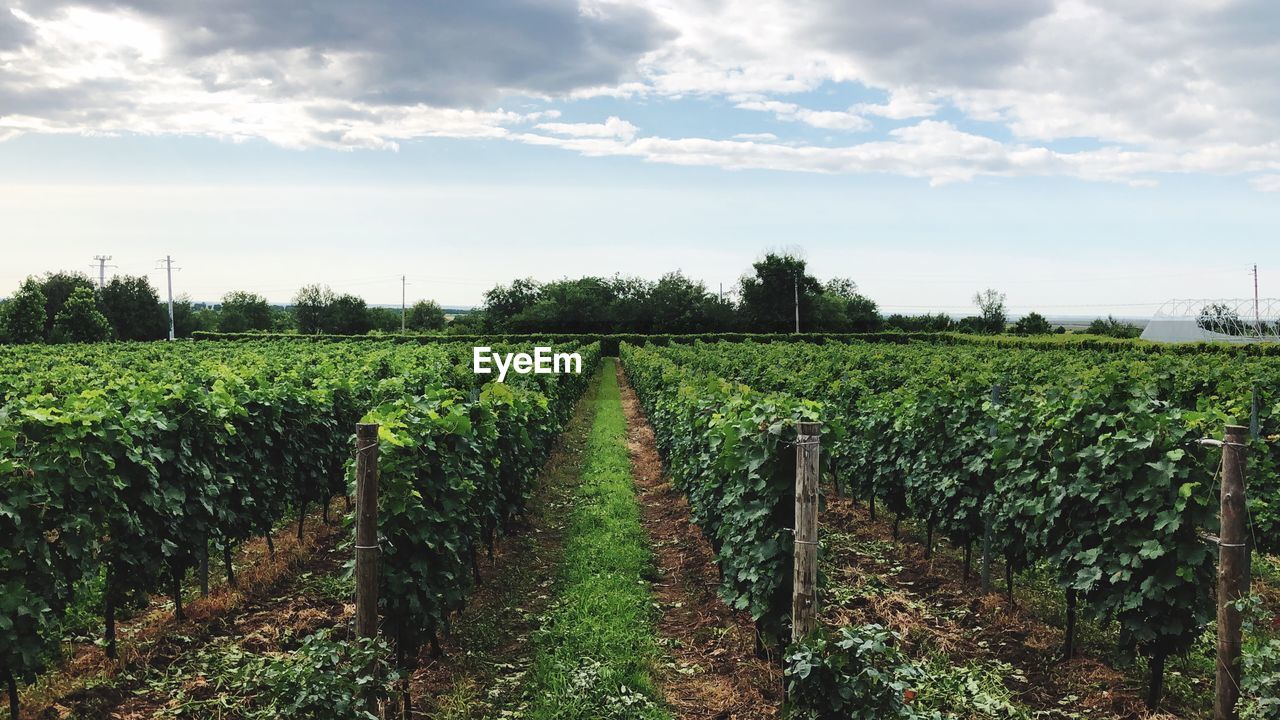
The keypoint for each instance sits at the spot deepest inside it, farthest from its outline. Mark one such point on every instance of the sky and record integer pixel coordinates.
(1082, 156)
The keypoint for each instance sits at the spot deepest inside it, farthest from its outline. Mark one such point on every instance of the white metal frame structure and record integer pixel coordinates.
(1233, 320)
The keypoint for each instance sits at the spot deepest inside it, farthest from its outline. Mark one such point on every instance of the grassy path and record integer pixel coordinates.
(489, 653)
(711, 671)
(596, 653)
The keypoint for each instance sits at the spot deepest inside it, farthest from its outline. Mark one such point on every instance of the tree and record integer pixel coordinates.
(385, 320)
(1220, 318)
(504, 302)
(244, 312)
(1033, 323)
(841, 308)
(80, 320)
(311, 307)
(282, 319)
(585, 305)
(22, 317)
(939, 322)
(57, 288)
(678, 304)
(425, 315)
(992, 318)
(769, 296)
(1111, 327)
(186, 319)
(472, 323)
(133, 307)
(346, 315)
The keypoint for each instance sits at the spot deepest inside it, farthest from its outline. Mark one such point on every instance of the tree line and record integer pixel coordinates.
(777, 295)
(67, 307)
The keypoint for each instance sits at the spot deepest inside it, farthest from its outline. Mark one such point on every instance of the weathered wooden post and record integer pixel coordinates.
(204, 567)
(1233, 579)
(367, 530)
(804, 597)
(986, 518)
(11, 685)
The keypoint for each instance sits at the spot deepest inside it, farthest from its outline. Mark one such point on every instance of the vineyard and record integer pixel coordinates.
(123, 469)
(1084, 463)
(525, 575)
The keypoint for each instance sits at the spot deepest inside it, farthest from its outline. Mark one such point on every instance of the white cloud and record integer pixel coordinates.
(932, 150)
(332, 75)
(1161, 86)
(755, 136)
(790, 112)
(902, 105)
(610, 128)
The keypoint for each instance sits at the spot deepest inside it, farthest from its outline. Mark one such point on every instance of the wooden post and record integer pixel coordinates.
(986, 555)
(204, 567)
(986, 517)
(367, 530)
(1254, 427)
(1233, 581)
(109, 612)
(12, 686)
(804, 597)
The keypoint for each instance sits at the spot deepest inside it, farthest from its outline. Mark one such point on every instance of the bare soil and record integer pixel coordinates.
(930, 604)
(265, 606)
(714, 671)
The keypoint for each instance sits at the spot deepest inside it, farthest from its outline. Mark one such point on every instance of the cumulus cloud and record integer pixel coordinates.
(329, 73)
(933, 150)
(387, 51)
(790, 112)
(13, 31)
(1158, 86)
(611, 127)
(902, 105)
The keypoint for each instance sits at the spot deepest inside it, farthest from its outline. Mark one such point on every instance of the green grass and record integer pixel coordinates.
(595, 654)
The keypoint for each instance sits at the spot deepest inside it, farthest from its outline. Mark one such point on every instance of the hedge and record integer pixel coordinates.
(609, 341)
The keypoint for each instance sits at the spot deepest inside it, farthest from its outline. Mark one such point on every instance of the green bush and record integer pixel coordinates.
(1260, 681)
(324, 677)
(856, 674)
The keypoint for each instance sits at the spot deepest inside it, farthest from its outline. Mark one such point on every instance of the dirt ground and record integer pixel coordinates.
(930, 604)
(715, 672)
(489, 651)
(266, 604)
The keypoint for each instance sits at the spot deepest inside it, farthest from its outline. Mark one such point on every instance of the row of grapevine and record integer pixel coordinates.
(454, 468)
(730, 450)
(126, 462)
(1087, 463)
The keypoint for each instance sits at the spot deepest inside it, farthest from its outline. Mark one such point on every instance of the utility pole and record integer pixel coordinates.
(166, 264)
(101, 260)
(402, 286)
(795, 284)
(1257, 316)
